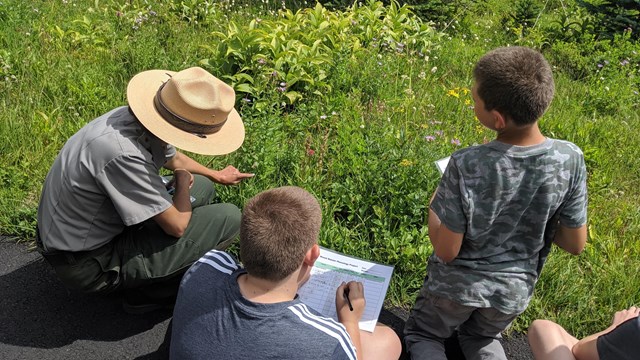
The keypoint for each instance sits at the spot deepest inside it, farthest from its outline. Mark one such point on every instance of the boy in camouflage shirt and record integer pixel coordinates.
(496, 212)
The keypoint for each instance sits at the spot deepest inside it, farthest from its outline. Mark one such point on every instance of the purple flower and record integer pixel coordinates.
(429, 137)
(600, 65)
(262, 61)
(455, 142)
(439, 132)
(281, 88)
(274, 73)
(624, 62)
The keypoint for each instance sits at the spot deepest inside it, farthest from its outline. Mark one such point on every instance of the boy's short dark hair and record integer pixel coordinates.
(516, 81)
(278, 227)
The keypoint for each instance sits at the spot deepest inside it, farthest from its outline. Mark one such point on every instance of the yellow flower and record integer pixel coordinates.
(465, 91)
(467, 102)
(424, 126)
(453, 93)
(406, 162)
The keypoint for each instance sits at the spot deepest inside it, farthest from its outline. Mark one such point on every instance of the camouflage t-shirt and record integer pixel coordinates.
(502, 197)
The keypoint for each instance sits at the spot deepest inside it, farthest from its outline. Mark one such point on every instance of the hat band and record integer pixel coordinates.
(182, 123)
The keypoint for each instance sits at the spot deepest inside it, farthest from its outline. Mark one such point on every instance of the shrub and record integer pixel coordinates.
(614, 17)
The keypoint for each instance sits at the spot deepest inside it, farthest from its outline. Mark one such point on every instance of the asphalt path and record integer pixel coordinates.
(40, 319)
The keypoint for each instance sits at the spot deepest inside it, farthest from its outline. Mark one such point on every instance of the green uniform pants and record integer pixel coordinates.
(144, 257)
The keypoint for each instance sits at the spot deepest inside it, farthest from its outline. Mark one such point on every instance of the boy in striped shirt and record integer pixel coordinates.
(225, 311)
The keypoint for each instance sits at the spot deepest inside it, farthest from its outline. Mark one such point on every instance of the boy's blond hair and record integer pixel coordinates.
(516, 81)
(278, 227)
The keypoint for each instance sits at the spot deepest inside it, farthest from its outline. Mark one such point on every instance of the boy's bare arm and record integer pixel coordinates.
(350, 305)
(446, 243)
(571, 240)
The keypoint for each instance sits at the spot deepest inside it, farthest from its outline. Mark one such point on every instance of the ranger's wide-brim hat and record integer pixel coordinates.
(190, 109)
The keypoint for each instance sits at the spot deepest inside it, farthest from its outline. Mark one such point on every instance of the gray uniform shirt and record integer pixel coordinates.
(104, 178)
(502, 197)
(212, 320)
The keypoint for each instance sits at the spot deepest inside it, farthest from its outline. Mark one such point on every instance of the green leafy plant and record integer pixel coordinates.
(615, 17)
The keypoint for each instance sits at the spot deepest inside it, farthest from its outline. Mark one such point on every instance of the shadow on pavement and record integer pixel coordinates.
(37, 311)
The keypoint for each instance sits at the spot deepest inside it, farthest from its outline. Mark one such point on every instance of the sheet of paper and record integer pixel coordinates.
(331, 269)
(442, 164)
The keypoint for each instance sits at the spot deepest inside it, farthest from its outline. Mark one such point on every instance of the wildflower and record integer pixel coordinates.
(281, 89)
(429, 137)
(247, 100)
(424, 126)
(333, 113)
(453, 93)
(455, 142)
(274, 73)
(311, 152)
(434, 69)
(439, 132)
(362, 126)
(624, 62)
(152, 13)
(422, 75)
(406, 162)
(283, 84)
(600, 66)
(467, 102)
(262, 61)
(323, 117)
(118, 14)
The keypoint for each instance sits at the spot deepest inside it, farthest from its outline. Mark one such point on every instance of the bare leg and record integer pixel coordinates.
(550, 341)
(382, 344)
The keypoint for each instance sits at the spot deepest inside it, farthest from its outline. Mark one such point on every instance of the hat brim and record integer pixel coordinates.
(142, 89)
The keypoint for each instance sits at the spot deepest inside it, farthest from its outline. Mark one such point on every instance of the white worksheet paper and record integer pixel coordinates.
(442, 164)
(331, 269)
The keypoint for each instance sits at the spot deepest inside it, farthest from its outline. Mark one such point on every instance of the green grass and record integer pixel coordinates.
(364, 145)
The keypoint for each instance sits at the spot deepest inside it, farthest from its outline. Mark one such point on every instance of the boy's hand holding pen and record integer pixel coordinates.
(350, 302)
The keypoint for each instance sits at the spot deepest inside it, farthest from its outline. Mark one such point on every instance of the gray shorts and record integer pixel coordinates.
(623, 343)
(434, 319)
